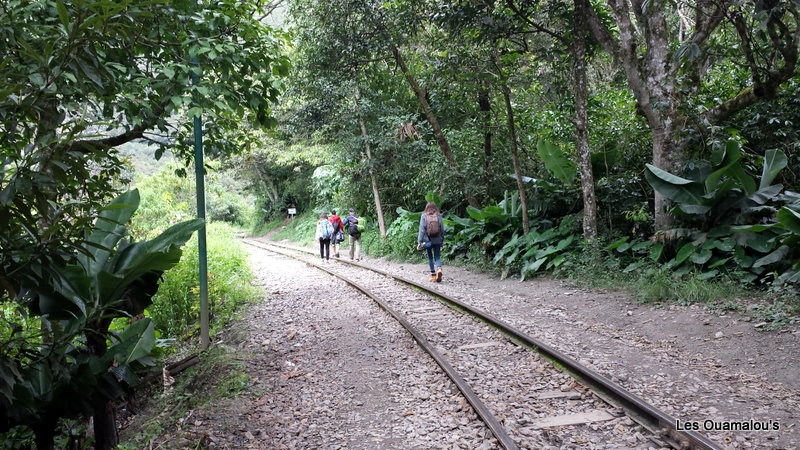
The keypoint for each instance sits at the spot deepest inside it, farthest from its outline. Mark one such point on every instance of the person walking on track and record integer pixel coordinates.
(351, 226)
(431, 238)
(324, 234)
(338, 235)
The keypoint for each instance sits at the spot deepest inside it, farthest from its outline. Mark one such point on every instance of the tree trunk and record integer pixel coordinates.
(581, 121)
(667, 157)
(105, 427)
(642, 46)
(437, 130)
(105, 414)
(512, 130)
(650, 80)
(375, 193)
(486, 108)
(44, 432)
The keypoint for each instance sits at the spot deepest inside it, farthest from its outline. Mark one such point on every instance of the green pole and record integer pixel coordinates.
(199, 173)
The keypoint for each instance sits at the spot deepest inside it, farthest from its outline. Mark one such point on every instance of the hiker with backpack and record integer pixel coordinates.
(338, 235)
(431, 237)
(324, 234)
(351, 225)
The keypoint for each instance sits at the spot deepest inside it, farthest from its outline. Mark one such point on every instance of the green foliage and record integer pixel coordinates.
(176, 307)
(542, 248)
(167, 197)
(720, 192)
(663, 285)
(401, 237)
(108, 70)
(302, 228)
(65, 370)
(281, 177)
(738, 230)
(142, 157)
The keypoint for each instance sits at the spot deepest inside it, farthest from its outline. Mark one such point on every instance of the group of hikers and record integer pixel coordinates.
(331, 229)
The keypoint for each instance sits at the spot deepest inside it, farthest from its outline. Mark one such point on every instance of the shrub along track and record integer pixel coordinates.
(538, 404)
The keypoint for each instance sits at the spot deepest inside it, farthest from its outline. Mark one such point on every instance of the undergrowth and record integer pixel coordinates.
(160, 411)
(176, 306)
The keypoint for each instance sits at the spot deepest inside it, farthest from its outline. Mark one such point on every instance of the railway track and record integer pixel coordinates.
(528, 394)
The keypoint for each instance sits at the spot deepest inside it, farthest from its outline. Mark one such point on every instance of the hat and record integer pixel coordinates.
(352, 210)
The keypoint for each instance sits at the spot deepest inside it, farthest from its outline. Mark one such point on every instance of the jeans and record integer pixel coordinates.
(434, 251)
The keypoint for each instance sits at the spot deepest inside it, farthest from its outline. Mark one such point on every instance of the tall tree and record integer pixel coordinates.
(581, 119)
(512, 131)
(665, 78)
(533, 16)
(358, 33)
(373, 179)
(80, 78)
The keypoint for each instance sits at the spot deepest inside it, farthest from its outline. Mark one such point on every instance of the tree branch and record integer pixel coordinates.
(786, 43)
(601, 33)
(87, 146)
(536, 26)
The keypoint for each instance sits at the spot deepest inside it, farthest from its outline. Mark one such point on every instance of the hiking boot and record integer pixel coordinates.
(439, 275)
(337, 255)
(433, 277)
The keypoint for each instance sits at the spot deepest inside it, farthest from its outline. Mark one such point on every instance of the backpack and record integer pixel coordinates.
(337, 225)
(327, 230)
(432, 225)
(352, 226)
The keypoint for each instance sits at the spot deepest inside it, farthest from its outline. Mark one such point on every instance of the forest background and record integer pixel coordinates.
(650, 144)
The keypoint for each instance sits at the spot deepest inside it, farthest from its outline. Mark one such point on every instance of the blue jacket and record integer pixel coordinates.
(423, 237)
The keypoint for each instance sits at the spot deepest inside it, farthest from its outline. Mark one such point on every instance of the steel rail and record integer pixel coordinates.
(655, 420)
(480, 408)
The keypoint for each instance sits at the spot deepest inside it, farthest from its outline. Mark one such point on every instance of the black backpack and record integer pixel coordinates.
(352, 226)
(336, 227)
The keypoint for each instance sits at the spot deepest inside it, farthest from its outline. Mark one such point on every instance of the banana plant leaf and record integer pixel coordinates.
(675, 188)
(790, 219)
(556, 161)
(774, 162)
(109, 228)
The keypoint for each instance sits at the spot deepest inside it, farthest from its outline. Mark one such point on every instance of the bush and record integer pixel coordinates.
(176, 307)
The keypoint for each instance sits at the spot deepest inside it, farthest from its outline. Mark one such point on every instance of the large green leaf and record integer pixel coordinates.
(685, 251)
(778, 255)
(701, 257)
(131, 259)
(617, 243)
(556, 161)
(673, 187)
(747, 182)
(109, 229)
(532, 266)
(137, 341)
(774, 162)
(790, 219)
(712, 181)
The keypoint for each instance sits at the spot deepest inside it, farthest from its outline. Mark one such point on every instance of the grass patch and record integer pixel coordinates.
(301, 229)
(176, 306)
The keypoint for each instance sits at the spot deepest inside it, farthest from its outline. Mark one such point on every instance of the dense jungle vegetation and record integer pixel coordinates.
(647, 143)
